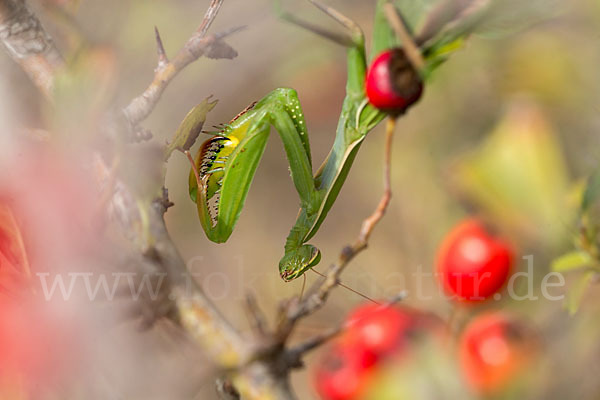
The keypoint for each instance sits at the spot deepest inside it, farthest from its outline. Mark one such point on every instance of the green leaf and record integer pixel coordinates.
(415, 13)
(504, 17)
(518, 175)
(383, 35)
(190, 128)
(576, 292)
(592, 191)
(572, 261)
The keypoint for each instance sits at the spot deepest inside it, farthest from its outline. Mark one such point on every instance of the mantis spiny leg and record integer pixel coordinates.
(226, 163)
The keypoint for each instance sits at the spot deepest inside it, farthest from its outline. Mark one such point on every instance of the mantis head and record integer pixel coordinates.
(297, 262)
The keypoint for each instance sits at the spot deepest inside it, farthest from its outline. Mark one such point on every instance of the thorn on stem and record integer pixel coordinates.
(160, 50)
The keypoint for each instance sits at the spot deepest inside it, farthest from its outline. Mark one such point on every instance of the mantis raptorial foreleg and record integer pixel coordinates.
(226, 163)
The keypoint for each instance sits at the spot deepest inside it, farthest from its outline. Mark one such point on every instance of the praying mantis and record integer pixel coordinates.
(225, 164)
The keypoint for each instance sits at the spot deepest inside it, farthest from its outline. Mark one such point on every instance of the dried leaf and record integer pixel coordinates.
(220, 50)
(190, 127)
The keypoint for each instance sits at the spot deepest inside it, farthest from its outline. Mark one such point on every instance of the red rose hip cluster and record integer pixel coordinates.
(374, 334)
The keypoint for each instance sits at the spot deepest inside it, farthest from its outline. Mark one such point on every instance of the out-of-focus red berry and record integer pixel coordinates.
(472, 263)
(383, 330)
(392, 83)
(343, 373)
(373, 335)
(38, 348)
(379, 329)
(493, 350)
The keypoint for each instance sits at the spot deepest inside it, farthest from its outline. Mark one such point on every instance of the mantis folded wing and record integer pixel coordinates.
(226, 163)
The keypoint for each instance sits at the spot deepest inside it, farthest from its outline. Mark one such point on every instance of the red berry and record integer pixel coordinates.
(493, 350)
(377, 328)
(374, 333)
(383, 330)
(472, 263)
(344, 372)
(393, 84)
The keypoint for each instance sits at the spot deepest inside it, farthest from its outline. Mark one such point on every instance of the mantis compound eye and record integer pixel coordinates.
(393, 84)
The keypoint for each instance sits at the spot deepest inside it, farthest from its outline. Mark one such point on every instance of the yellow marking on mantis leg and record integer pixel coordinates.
(212, 159)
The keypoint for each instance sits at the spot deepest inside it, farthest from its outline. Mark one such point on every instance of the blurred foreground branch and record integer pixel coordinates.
(28, 44)
(257, 367)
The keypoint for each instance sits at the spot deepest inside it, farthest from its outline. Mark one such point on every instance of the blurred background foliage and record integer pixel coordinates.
(508, 128)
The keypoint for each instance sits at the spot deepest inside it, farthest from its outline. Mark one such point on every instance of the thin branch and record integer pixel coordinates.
(28, 44)
(410, 48)
(256, 316)
(299, 350)
(209, 17)
(196, 46)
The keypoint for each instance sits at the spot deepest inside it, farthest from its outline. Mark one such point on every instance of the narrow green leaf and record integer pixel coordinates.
(518, 175)
(190, 127)
(572, 261)
(592, 191)
(576, 292)
(383, 35)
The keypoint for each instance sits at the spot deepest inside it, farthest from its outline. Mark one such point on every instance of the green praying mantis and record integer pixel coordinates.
(225, 164)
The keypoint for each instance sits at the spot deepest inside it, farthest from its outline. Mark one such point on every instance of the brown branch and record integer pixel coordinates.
(299, 350)
(257, 318)
(196, 46)
(193, 310)
(410, 47)
(209, 17)
(296, 352)
(28, 44)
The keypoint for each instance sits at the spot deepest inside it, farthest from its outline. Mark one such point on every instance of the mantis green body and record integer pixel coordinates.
(226, 163)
